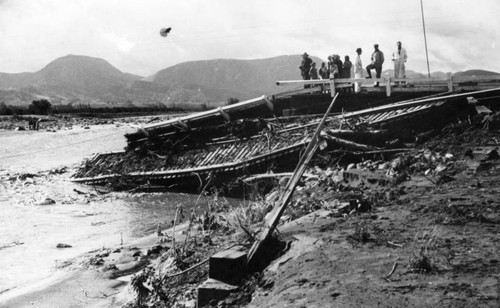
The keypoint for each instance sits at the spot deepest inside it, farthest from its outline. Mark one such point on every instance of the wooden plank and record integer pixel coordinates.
(224, 114)
(209, 113)
(209, 156)
(210, 159)
(348, 144)
(239, 153)
(269, 104)
(492, 78)
(245, 153)
(198, 158)
(379, 116)
(276, 175)
(303, 82)
(332, 87)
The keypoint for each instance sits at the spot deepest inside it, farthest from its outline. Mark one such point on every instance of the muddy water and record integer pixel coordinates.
(30, 232)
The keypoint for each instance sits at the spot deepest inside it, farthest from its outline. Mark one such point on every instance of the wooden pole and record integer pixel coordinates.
(425, 39)
(332, 87)
(290, 188)
(450, 82)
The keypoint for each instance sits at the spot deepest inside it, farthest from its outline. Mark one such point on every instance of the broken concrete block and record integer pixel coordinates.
(483, 110)
(356, 177)
(213, 290)
(228, 266)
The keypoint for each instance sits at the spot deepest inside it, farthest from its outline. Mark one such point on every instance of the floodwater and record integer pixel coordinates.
(30, 233)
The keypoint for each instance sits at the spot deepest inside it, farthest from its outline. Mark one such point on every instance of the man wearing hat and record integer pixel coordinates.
(358, 70)
(377, 61)
(305, 66)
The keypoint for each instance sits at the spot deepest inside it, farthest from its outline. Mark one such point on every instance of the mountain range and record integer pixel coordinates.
(77, 79)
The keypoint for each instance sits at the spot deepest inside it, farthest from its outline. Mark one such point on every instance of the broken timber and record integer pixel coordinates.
(232, 158)
(272, 223)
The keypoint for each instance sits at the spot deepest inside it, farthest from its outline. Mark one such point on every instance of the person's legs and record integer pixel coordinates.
(307, 77)
(396, 69)
(378, 71)
(402, 72)
(368, 70)
(397, 65)
(357, 85)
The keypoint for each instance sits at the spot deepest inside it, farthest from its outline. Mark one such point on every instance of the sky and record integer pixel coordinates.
(461, 34)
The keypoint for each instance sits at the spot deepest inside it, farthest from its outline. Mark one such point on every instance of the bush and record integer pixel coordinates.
(232, 100)
(4, 109)
(40, 107)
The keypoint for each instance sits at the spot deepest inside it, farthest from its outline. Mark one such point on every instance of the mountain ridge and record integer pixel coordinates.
(94, 81)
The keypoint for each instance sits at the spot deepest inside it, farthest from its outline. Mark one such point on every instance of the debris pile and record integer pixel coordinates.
(354, 191)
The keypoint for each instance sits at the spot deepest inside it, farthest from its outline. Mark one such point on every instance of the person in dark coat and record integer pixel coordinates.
(305, 66)
(338, 62)
(346, 69)
(323, 71)
(313, 72)
(377, 61)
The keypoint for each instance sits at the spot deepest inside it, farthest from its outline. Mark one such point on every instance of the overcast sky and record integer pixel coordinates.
(461, 34)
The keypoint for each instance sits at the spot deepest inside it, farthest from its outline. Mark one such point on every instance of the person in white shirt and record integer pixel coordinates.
(399, 56)
(358, 70)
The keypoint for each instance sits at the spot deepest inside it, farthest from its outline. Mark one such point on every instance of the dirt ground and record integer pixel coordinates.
(346, 261)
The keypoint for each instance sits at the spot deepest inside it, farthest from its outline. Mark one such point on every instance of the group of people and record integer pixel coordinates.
(337, 69)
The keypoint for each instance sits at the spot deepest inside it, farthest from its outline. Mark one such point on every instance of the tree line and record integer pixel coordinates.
(44, 107)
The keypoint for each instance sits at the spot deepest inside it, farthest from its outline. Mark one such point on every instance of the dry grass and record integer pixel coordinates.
(246, 220)
(424, 251)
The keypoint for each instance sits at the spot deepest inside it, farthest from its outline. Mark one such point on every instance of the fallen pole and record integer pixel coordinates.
(258, 246)
(349, 144)
(275, 176)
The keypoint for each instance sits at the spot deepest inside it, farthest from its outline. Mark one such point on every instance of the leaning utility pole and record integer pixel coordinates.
(425, 39)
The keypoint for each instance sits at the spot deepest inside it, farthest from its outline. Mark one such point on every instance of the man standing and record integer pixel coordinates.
(323, 71)
(346, 69)
(399, 57)
(358, 70)
(338, 62)
(377, 61)
(305, 66)
(313, 72)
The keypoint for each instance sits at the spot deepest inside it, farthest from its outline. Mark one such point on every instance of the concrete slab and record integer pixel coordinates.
(356, 177)
(229, 266)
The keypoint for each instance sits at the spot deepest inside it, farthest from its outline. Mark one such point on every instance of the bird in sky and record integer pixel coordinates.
(165, 31)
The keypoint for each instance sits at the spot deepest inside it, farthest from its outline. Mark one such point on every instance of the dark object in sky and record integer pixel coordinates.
(165, 31)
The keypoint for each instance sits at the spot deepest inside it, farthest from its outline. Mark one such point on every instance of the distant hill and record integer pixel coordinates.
(415, 75)
(82, 79)
(78, 79)
(225, 78)
(475, 73)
